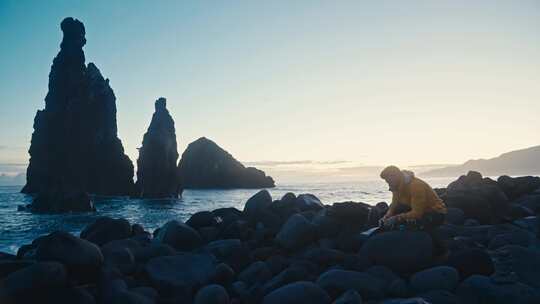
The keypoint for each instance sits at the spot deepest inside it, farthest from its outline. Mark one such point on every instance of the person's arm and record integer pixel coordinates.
(418, 204)
(392, 209)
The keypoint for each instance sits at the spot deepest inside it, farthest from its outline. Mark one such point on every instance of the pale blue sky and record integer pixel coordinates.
(374, 82)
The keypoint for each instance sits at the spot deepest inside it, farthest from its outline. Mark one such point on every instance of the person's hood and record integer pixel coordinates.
(407, 176)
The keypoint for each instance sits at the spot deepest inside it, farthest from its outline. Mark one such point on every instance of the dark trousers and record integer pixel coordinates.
(428, 223)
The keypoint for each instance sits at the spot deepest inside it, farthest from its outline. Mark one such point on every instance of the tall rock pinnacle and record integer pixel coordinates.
(75, 146)
(156, 167)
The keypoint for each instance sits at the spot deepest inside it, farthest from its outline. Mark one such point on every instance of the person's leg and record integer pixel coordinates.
(429, 223)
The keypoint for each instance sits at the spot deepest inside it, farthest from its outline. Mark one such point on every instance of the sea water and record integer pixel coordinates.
(21, 227)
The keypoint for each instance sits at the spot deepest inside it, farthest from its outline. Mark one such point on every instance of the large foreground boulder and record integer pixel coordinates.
(401, 251)
(299, 292)
(205, 165)
(181, 273)
(33, 281)
(81, 257)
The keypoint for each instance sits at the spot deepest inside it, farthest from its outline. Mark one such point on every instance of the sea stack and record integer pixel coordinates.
(157, 174)
(205, 165)
(75, 147)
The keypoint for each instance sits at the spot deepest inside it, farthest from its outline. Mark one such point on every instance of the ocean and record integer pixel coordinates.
(21, 227)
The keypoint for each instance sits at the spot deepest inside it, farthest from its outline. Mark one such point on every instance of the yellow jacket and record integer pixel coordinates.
(418, 195)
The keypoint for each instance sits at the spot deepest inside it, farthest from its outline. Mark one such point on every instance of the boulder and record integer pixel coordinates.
(257, 203)
(515, 187)
(143, 254)
(308, 202)
(81, 257)
(401, 251)
(336, 282)
(436, 278)
(518, 237)
(257, 272)
(287, 276)
(481, 289)
(180, 273)
(75, 147)
(471, 262)
(224, 274)
(106, 229)
(9, 266)
(454, 216)
(349, 297)
(351, 215)
(479, 198)
(212, 294)
(296, 232)
(179, 236)
(146, 291)
(230, 251)
(36, 279)
(440, 297)
(202, 219)
(530, 202)
(298, 292)
(524, 263)
(58, 200)
(206, 165)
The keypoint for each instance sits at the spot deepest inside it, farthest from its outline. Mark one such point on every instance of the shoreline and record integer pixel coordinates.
(295, 247)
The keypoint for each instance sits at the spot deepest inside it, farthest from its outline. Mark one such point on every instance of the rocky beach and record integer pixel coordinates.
(295, 250)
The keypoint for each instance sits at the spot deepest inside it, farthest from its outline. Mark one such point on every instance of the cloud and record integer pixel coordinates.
(275, 163)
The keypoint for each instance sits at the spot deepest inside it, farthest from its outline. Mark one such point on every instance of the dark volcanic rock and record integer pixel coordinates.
(481, 289)
(469, 262)
(299, 292)
(81, 257)
(56, 199)
(401, 251)
(515, 187)
(336, 282)
(181, 273)
(479, 198)
(157, 174)
(205, 165)
(436, 278)
(179, 235)
(75, 147)
(106, 229)
(212, 294)
(296, 232)
(35, 280)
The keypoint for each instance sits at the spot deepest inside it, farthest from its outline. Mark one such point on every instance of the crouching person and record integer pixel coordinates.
(415, 206)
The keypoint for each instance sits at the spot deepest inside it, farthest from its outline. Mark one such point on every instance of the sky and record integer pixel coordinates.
(360, 82)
